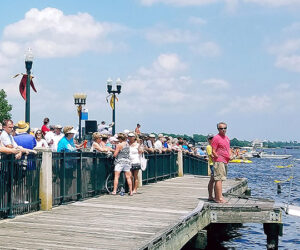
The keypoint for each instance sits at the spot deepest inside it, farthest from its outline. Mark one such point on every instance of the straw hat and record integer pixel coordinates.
(22, 127)
(69, 130)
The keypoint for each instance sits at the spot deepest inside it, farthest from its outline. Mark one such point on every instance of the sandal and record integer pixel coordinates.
(113, 193)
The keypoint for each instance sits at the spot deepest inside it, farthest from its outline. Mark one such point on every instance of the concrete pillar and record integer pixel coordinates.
(180, 164)
(140, 176)
(46, 179)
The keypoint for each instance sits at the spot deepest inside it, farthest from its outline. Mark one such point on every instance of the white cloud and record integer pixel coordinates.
(231, 4)
(275, 3)
(208, 49)
(168, 63)
(163, 35)
(216, 83)
(291, 63)
(287, 55)
(251, 104)
(51, 33)
(179, 2)
(197, 20)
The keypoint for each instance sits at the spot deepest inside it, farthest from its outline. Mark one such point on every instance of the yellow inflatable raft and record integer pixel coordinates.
(240, 161)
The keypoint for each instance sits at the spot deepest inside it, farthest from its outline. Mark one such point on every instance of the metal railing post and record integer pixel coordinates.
(79, 179)
(10, 167)
(63, 178)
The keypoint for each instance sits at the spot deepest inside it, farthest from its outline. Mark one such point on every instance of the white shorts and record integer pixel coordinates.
(122, 167)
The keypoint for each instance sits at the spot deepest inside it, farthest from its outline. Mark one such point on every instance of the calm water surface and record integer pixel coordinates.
(261, 175)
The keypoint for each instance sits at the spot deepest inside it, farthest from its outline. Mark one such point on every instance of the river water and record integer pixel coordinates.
(261, 175)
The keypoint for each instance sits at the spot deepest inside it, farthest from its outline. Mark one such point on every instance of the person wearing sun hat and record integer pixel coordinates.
(22, 138)
(66, 144)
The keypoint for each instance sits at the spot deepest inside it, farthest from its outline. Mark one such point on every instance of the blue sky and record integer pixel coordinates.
(185, 64)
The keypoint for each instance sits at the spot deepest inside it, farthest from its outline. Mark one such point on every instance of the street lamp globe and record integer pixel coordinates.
(119, 85)
(109, 85)
(28, 59)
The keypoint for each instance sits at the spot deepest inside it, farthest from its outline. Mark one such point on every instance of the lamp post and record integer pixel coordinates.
(79, 99)
(112, 91)
(28, 65)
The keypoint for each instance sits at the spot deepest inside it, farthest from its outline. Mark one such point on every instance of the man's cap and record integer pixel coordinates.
(131, 134)
(126, 131)
(58, 126)
(210, 136)
(152, 135)
(160, 135)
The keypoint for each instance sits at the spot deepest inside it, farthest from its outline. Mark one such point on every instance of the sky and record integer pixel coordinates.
(185, 64)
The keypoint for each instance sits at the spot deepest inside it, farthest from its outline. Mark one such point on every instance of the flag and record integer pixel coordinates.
(22, 86)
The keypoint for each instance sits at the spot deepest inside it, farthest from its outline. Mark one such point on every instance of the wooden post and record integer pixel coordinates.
(272, 230)
(46, 179)
(180, 164)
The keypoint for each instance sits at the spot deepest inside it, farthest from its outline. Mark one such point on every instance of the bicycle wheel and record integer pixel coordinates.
(109, 183)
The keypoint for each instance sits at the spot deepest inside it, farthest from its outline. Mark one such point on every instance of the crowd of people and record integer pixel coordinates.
(126, 147)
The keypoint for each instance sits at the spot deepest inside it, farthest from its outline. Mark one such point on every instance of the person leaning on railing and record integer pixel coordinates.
(7, 140)
(98, 145)
(66, 144)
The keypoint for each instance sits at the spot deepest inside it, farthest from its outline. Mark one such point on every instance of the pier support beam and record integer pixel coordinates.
(272, 230)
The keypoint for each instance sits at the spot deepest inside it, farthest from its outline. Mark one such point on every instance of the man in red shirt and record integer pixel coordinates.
(45, 127)
(221, 153)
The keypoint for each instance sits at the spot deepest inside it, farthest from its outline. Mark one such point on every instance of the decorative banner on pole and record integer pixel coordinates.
(22, 86)
(111, 102)
(79, 108)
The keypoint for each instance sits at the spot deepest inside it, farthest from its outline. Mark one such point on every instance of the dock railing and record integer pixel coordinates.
(194, 165)
(50, 179)
(19, 184)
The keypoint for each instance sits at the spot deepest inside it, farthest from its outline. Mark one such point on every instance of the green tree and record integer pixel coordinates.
(5, 108)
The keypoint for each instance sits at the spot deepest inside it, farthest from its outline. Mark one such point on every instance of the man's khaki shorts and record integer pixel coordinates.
(220, 171)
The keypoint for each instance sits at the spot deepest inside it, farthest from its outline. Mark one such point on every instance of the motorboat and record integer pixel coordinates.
(248, 152)
(273, 156)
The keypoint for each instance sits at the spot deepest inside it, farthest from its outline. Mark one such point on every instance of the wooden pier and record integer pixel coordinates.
(163, 215)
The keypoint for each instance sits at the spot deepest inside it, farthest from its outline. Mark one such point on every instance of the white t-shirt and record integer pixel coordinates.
(48, 137)
(56, 139)
(41, 144)
(134, 153)
(7, 139)
(158, 145)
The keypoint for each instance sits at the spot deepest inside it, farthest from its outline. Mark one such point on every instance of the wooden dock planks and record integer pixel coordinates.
(162, 215)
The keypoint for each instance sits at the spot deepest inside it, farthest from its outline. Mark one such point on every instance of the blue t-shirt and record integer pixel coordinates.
(25, 140)
(65, 145)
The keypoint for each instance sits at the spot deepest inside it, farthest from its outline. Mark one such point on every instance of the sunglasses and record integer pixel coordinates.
(222, 128)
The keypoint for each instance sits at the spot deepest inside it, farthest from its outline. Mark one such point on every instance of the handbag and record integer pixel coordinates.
(144, 162)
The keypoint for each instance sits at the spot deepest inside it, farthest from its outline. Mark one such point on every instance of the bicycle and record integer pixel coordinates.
(109, 182)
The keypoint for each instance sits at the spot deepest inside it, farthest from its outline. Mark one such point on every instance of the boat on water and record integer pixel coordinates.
(248, 152)
(240, 161)
(273, 156)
